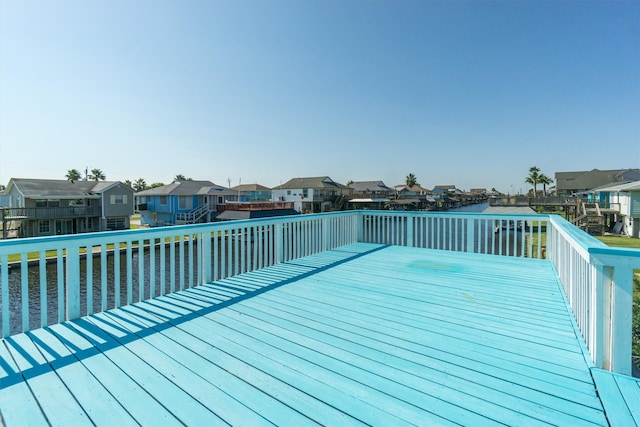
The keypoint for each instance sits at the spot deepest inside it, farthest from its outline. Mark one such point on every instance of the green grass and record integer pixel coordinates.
(620, 241)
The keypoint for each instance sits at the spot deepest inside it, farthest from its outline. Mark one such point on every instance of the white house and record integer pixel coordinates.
(625, 197)
(314, 194)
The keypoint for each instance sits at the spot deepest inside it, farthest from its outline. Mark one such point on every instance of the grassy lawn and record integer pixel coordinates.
(620, 241)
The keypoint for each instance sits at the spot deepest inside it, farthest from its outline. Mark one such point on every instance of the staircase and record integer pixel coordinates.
(192, 217)
(591, 220)
(11, 229)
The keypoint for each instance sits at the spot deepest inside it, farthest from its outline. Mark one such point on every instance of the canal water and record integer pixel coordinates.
(35, 292)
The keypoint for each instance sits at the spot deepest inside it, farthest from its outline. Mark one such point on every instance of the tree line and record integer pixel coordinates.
(535, 178)
(98, 175)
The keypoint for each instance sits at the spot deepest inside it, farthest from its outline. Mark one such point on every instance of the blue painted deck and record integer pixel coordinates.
(365, 334)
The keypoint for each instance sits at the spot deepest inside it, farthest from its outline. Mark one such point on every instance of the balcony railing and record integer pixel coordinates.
(49, 212)
(76, 275)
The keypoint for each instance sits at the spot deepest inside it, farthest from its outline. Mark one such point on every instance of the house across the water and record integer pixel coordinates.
(46, 207)
(183, 202)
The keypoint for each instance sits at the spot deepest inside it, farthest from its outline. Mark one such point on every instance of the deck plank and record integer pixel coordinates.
(620, 396)
(365, 334)
(17, 402)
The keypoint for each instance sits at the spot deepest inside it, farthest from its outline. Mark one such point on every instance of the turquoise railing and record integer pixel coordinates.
(53, 279)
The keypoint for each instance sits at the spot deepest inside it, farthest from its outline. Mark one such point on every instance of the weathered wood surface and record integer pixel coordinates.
(364, 334)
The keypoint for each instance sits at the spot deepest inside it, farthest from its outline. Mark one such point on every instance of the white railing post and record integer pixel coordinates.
(278, 243)
(325, 233)
(470, 225)
(359, 226)
(73, 282)
(616, 282)
(205, 254)
(597, 339)
(410, 219)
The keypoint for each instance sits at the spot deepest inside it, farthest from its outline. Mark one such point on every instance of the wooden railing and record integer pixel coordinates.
(53, 279)
(598, 283)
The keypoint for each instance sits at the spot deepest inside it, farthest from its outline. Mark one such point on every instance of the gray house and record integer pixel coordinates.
(584, 181)
(46, 207)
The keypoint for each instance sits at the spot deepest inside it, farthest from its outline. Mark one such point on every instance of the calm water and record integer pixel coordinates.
(51, 289)
(480, 207)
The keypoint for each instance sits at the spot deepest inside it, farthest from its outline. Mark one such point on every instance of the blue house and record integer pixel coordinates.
(183, 202)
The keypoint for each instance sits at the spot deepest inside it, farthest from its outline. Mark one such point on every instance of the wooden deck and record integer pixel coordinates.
(365, 334)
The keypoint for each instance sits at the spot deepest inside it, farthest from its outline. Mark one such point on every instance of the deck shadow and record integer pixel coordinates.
(205, 299)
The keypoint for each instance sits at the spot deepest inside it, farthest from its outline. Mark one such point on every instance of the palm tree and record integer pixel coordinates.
(544, 180)
(533, 178)
(73, 175)
(139, 185)
(411, 180)
(97, 174)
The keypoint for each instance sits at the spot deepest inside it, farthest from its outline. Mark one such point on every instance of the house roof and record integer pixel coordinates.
(587, 180)
(627, 186)
(415, 188)
(250, 187)
(187, 188)
(369, 186)
(60, 188)
(310, 182)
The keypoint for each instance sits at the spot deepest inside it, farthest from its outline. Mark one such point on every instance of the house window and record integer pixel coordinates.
(288, 192)
(88, 227)
(220, 201)
(118, 199)
(305, 192)
(53, 203)
(45, 227)
(115, 223)
(163, 200)
(41, 203)
(185, 202)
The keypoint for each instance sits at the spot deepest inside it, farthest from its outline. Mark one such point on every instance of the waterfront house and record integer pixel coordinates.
(624, 199)
(312, 194)
(44, 207)
(183, 202)
(447, 189)
(411, 191)
(253, 193)
(369, 195)
(362, 189)
(568, 183)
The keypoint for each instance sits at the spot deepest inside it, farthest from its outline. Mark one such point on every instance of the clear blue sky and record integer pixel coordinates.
(456, 92)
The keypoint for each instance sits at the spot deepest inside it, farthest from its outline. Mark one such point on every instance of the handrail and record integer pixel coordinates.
(598, 283)
(87, 273)
(122, 267)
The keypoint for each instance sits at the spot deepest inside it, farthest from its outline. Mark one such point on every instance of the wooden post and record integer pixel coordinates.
(73, 282)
